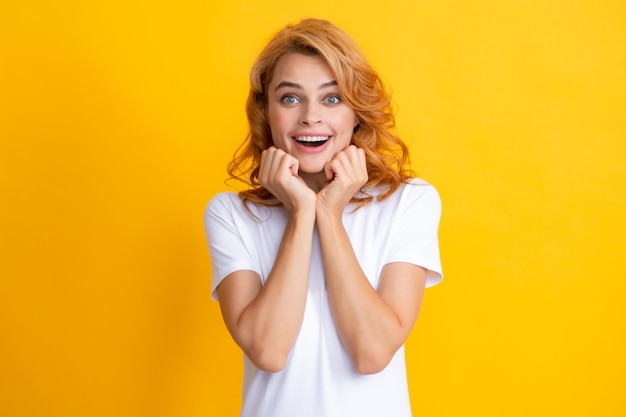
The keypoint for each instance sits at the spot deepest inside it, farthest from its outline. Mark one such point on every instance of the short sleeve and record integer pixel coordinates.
(226, 239)
(415, 230)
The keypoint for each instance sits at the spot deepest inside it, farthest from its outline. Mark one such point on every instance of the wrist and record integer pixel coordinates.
(303, 214)
(327, 215)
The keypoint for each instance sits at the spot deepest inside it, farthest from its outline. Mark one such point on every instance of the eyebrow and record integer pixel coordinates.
(283, 84)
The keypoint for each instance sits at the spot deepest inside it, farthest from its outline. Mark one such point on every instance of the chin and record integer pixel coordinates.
(312, 169)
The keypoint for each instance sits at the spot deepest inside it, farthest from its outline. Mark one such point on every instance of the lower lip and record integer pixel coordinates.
(313, 149)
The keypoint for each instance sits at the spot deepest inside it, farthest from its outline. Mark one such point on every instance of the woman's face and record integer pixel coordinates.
(308, 117)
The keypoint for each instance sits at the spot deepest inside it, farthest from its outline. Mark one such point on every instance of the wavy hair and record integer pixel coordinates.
(361, 88)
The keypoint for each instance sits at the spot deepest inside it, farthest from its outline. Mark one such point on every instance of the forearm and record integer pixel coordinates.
(269, 325)
(368, 327)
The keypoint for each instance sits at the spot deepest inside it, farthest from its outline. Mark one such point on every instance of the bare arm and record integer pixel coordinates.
(372, 324)
(265, 320)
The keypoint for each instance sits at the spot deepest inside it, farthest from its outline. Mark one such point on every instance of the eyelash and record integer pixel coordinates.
(333, 96)
(286, 97)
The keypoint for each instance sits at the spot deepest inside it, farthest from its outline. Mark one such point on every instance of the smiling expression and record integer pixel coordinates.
(307, 116)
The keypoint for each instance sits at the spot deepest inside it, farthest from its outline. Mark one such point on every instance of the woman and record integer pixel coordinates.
(320, 266)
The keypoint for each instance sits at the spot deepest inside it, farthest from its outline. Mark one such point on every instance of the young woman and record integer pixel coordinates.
(320, 266)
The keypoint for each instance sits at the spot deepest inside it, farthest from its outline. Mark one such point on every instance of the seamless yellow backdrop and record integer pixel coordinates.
(117, 120)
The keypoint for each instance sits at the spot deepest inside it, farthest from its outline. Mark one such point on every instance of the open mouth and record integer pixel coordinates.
(312, 141)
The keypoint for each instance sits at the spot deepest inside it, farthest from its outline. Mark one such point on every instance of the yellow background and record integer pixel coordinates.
(117, 120)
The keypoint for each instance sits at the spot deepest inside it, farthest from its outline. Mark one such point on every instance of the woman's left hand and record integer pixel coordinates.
(346, 173)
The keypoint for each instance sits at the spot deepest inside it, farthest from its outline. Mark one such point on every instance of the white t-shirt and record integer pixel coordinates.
(319, 379)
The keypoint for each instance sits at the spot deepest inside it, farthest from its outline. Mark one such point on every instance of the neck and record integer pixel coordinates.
(315, 181)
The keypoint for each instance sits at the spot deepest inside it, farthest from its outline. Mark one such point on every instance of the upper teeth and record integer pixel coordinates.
(311, 138)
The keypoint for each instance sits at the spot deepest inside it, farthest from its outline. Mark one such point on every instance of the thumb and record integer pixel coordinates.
(330, 174)
(294, 167)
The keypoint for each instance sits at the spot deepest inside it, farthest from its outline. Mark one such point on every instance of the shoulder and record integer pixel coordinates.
(416, 199)
(230, 205)
(418, 188)
(416, 191)
(223, 202)
(411, 198)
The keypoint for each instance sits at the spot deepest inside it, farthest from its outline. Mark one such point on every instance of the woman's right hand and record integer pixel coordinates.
(278, 173)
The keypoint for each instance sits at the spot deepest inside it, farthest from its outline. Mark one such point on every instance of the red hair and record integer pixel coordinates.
(361, 88)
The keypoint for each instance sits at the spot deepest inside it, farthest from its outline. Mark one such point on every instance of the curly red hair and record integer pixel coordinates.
(361, 88)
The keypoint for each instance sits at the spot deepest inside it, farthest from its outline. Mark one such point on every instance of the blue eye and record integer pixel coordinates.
(332, 100)
(289, 99)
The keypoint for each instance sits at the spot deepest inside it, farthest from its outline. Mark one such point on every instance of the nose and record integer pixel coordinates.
(311, 114)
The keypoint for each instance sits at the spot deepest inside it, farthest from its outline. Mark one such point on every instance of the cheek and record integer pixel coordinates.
(277, 124)
(277, 120)
(347, 120)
